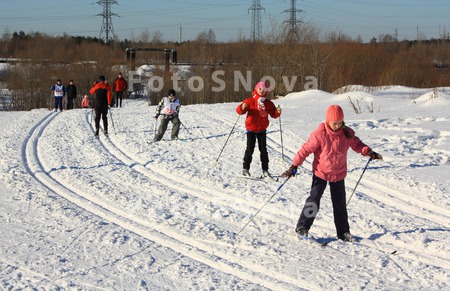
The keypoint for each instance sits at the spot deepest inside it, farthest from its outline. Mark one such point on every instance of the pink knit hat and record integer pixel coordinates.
(334, 113)
(261, 85)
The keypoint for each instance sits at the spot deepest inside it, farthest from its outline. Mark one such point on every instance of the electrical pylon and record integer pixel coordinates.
(107, 27)
(292, 22)
(256, 33)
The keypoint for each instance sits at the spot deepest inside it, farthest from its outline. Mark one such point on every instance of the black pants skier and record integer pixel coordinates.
(312, 205)
(262, 146)
(163, 127)
(101, 113)
(119, 96)
(69, 103)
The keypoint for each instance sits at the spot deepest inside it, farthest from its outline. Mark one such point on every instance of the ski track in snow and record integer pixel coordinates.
(206, 207)
(164, 236)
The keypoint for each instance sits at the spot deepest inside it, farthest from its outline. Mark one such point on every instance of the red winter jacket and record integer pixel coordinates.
(103, 95)
(257, 116)
(330, 152)
(120, 85)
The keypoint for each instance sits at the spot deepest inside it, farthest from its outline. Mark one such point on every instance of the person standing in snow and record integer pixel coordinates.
(102, 102)
(329, 143)
(119, 86)
(59, 91)
(168, 108)
(257, 108)
(71, 94)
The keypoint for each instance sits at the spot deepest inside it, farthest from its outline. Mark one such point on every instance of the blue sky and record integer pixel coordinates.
(228, 19)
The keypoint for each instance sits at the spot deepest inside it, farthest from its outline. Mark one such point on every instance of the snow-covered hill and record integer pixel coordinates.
(121, 213)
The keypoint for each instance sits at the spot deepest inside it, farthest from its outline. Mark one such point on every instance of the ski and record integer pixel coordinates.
(260, 178)
(372, 245)
(271, 177)
(322, 242)
(357, 242)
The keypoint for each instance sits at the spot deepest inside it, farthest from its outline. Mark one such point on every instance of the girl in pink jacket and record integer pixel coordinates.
(329, 143)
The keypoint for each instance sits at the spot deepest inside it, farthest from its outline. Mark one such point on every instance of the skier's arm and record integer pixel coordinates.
(159, 107)
(242, 108)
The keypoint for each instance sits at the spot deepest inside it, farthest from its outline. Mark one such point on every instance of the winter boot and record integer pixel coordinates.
(347, 236)
(246, 172)
(96, 133)
(303, 231)
(266, 174)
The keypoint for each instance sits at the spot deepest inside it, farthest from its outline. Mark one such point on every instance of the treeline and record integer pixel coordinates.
(220, 72)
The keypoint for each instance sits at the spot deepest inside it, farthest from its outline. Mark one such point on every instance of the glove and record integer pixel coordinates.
(279, 109)
(375, 156)
(290, 172)
(156, 116)
(244, 106)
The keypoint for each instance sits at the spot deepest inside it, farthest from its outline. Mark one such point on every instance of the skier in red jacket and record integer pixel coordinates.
(119, 86)
(103, 99)
(258, 108)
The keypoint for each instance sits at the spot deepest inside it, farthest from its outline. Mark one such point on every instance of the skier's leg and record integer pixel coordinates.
(312, 204)
(162, 129)
(175, 127)
(262, 145)
(97, 120)
(338, 198)
(251, 141)
(105, 119)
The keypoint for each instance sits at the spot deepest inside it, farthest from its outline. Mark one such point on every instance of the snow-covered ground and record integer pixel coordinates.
(121, 213)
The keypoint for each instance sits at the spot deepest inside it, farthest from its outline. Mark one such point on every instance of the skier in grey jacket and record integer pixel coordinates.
(168, 108)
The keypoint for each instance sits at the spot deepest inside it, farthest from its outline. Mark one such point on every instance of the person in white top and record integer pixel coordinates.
(59, 91)
(168, 109)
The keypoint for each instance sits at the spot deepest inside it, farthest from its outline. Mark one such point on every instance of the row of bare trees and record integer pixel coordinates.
(221, 72)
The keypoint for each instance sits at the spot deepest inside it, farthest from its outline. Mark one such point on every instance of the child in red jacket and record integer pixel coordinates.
(329, 143)
(258, 108)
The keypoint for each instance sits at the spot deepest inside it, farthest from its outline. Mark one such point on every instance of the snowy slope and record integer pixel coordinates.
(122, 213)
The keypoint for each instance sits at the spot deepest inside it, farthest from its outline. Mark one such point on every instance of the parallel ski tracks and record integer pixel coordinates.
(183, 244)
(194, 249)
(386, 196)
(407, 203)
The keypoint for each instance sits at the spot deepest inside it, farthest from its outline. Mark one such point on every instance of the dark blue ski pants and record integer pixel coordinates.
(312, 205)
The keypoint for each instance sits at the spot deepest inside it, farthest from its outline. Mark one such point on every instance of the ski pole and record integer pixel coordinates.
(215, 164)
(354, 189)
(185, 127)
(279, 187)
(281, 134)
(112, 120)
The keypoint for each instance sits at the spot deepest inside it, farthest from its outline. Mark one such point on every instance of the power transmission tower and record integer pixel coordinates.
(292, 22)
(107, 27)
(256, 33)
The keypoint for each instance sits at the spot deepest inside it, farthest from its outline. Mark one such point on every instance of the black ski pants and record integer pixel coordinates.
(312, 205)
(262, 145)
(69, 102)
(101, 113)
(119, 96)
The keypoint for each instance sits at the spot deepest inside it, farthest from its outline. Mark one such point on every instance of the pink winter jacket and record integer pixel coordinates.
(330, 152)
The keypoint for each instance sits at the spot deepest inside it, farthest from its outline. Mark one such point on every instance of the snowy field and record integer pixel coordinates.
(120, 213)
